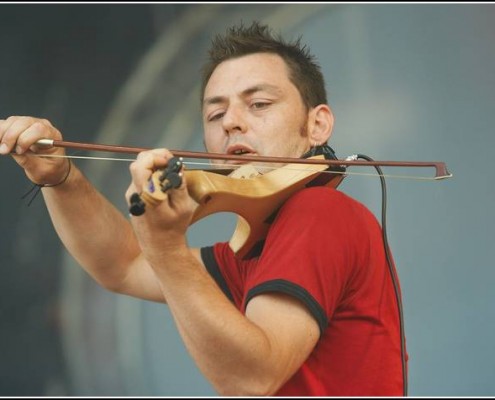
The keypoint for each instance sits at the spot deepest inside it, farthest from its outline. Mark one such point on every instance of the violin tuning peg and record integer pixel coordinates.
(137, 206)
(173, 181)
(174, 164)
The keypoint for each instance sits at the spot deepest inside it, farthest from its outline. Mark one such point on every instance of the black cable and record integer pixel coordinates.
(392, 272)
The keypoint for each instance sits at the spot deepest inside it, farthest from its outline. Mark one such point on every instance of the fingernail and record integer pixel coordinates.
(3, 148)
(18, 149)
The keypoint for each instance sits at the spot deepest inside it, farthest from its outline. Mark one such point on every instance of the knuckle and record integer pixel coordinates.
(161, 152)
(12, 118)
(49, 126)
(144, 155)
(23, 142)
(133, 167)
(9, 138)
(38, 125)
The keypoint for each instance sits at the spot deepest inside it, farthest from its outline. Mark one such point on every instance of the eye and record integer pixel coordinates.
(216, 116)
(259, 105)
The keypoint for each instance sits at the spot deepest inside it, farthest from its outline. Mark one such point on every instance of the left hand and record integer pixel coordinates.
(162, 228)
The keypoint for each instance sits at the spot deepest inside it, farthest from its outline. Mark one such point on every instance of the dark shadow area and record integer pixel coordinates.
(65, 63)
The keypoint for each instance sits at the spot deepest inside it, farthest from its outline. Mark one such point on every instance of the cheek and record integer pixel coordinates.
(212, 142)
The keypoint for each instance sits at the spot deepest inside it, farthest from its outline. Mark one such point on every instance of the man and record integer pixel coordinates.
(314, 313)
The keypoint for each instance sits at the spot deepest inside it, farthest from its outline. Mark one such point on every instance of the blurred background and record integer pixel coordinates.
(405, 81)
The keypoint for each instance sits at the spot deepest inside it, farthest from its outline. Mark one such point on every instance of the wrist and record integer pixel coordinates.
(39, 186)
(177, 253)
(60, 182)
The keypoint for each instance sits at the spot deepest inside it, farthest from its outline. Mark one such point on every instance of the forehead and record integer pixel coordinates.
(235, 75)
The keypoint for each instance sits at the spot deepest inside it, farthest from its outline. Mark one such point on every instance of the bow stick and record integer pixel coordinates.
(441, 171)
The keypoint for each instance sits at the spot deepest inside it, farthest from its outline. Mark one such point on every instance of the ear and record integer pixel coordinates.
(320, 124)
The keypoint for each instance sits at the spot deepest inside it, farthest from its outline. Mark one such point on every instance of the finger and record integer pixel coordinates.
(6, 123)
(3, 127)
(146, 163)
(10, 129)
(38, 130)
(20, 133)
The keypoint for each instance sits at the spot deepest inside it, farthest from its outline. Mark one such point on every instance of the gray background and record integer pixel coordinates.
(406, 82)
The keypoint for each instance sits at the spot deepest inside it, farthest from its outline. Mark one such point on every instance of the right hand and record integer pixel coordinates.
(18, 137)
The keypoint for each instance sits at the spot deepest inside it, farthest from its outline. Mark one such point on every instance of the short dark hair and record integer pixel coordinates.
(238, 41)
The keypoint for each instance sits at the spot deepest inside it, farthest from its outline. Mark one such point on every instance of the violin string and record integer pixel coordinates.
(329, 172)
(238, 166)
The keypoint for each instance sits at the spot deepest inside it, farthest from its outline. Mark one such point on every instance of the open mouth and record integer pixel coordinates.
(240, 152)
(239, 148)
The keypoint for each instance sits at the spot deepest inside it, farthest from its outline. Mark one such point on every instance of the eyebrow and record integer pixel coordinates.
(264, 87)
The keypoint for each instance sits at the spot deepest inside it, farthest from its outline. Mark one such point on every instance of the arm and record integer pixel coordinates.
(91, 228)
(249, 355)
(100, 238)
(252, 354)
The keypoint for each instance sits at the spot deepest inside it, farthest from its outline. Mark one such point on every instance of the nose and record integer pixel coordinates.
(234, 120)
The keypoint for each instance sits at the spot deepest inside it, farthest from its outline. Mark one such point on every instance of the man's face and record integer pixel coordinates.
(250, 106)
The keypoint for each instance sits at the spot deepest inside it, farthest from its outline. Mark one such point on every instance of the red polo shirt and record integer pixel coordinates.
(326, 249)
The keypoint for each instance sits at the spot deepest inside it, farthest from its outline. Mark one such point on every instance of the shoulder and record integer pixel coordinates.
(324, 200)
(321, 210)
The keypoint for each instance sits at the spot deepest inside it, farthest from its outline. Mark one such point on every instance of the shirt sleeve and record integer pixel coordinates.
(309, 251)
(225, 269)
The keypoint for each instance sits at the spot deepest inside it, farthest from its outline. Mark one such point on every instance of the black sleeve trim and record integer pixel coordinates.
(213, 269)
(281, 285)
